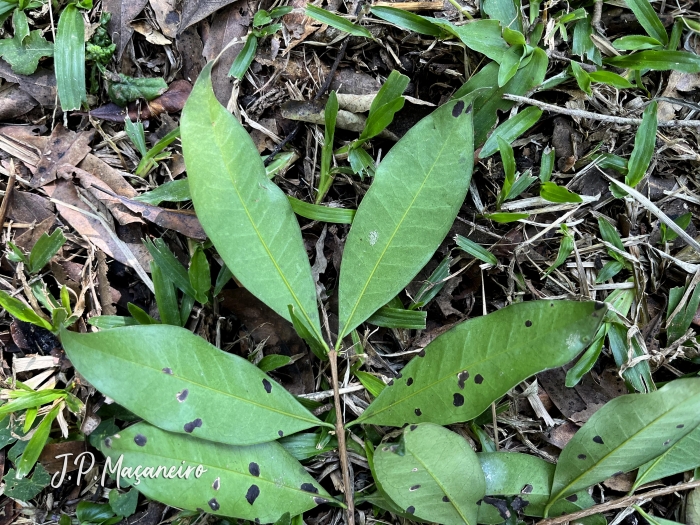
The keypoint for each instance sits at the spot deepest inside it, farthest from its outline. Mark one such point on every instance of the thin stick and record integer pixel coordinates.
(8, 193)
(619, 503)
(596, 116)
(340, 434)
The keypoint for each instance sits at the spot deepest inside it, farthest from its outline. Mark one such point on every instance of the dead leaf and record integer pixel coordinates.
(41, 85)
(621, 482)
(107, 174)
(167, 16)
(172, 101)
(190, 45)
(196, 10)
(65, 147)
(123, 13)
(559, 436)
(51, 461)
(298, 25)
(152, 35)
(14, 101)
(182, 221)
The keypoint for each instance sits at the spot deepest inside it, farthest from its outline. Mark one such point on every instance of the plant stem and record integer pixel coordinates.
(340, 434)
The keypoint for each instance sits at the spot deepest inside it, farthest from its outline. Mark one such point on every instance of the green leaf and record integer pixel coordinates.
(302, 446)
(24, 50)
(511, 129)
(506, 217)
(315, 342)
(510, 62)
(610, 78)
(433, 284)
(21, 311)
(45, 248)
(679, 457)
(508, 161)
(547, 164)
(475, 250)
(148, 160)
(507, 12)
(140, 314)
(135, 132)
(261, 18)
(582, 78)
(69, 59)
(683, 221)
(200, 275)
(173, 191)
(398, 318)
(385, 105)
(482, 36)
(316, 212)
(171, 267)
(90, 512)
(408, 20)
(222, 279)
(428, 481)
(166, 296)
(551, 192)
(123, 504)
(273, 362)
(609, 234)
(36, 443)
(372, 383)
(29, 399)
(244, 58)
(392, 236)
(239, 206)
(338, 22)
(105, 322)
(582, 44)
(26, 489)
(157, 372)
(636, 43)
(657, 61)
(513, 37)
(458, 375)
(644, 147)
(528, 479)
(325, 179)
(565, 248)
(585, 363)
(678, 326)
(649, 20)
(128, 89)
(625, 433)
(637, 377)
(261, 481)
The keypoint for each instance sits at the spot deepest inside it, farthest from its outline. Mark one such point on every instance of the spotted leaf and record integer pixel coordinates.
(257, 482)
(441, 484)
(179, 382)
(626, 433)
(459, 374)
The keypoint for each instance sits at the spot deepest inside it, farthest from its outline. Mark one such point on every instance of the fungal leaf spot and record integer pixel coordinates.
(252, 494)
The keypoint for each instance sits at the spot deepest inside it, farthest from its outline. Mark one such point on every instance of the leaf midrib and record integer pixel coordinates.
(431, 385)
(254, 225)
(621, 445)
(386, 247)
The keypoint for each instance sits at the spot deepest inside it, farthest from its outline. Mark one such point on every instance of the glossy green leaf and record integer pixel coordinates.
(475, 250)
(89, 512)
(200, 275)
(166, 297)
(29, 399)
(511, 129)
(547, 164)
(171, 267)
(506, 217)
(582, 78)
(566, 247)
(582, 43)
(141, 316)
(252, 482)
(173, 191)
(552, 192)
(128, 89)
(317, 212)
(459, 374)
(679, 457)
(636, 43)
(36, 443)
(244, 58)
(482, 36)
(372, 383)
(26, 489)
(222, 279)
(302, 446)
(432, 286)
(649, 20)
(514, 37)
(644, 147)
(105, 322)
(69, 59)
(657, 61)
(24, 50)
(668, 235)
(510, 62)
(179, 382)
(239, 206)
(136, 134)
(385, 105)
(610, 78)
(407, 212)
(148, 160)
(428, 481)
(585, 363)
(398, 318)
(123, 504)
(338, 22)
(507, 12)
(625, 433)
(525, 478)
(408, 20)
(639, 376)
(330, 116)
(678, 326)
(21, 311)
(273, 362)
(609, 234)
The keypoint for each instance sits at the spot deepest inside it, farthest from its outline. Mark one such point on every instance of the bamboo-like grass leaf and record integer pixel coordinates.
(244, 58)
(318, 212)
(626, 433)
(408, 20)
(398, 318)
(21, 311)
(248, 218)
(680, 457)
(173, 191)
(552, 192)
(458, 375)
(441, 484)
(657, 61)
(259, 482)
(36, 443)
(475, 250)
(648, 19)
(45, 248)
(180, 383)
(336, 21)
(407, 212)
(643, 151)
(69, 59)
(511, 129)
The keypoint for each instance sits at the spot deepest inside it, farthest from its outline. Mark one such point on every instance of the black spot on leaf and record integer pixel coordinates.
(140, 440)
(458, 400)
(598, 440)
(572, 498)
(413, 427)
(418, 412)
(319, 501)
(189, 427)
(421, 353)
(527, 489)
(409, 381)
(599, 305)
(280, 433)
(461, 378)
(308, 487)
(500, 505)
(414, 487)
(528, 323)
(181, 396)
(391, 382)
(478, 379)
(252, 494)
(458, 108)
(217, 484)
(168, 371)
(479, 502)
(582, 456)
(680, 426)
(410, 510)
(618, 473)
(667, 442)
(108, 442)
(399, 375)
(267, 385)
(519, 504)
(254, 469)
(445, 499)
(213, 504)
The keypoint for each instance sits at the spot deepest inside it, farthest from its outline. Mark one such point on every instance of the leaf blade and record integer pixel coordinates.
(69, 59)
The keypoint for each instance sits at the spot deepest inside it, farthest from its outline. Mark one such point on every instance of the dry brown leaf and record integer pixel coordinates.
(196, 10)
(14, 101)
(167, 16)
(65, 147)
(152, 35)
(107, 174)
(41, 85)
(119, 26)
(182, 221)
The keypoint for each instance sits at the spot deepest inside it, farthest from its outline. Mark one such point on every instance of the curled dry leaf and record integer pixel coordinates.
(172, 101)
(65, 147)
